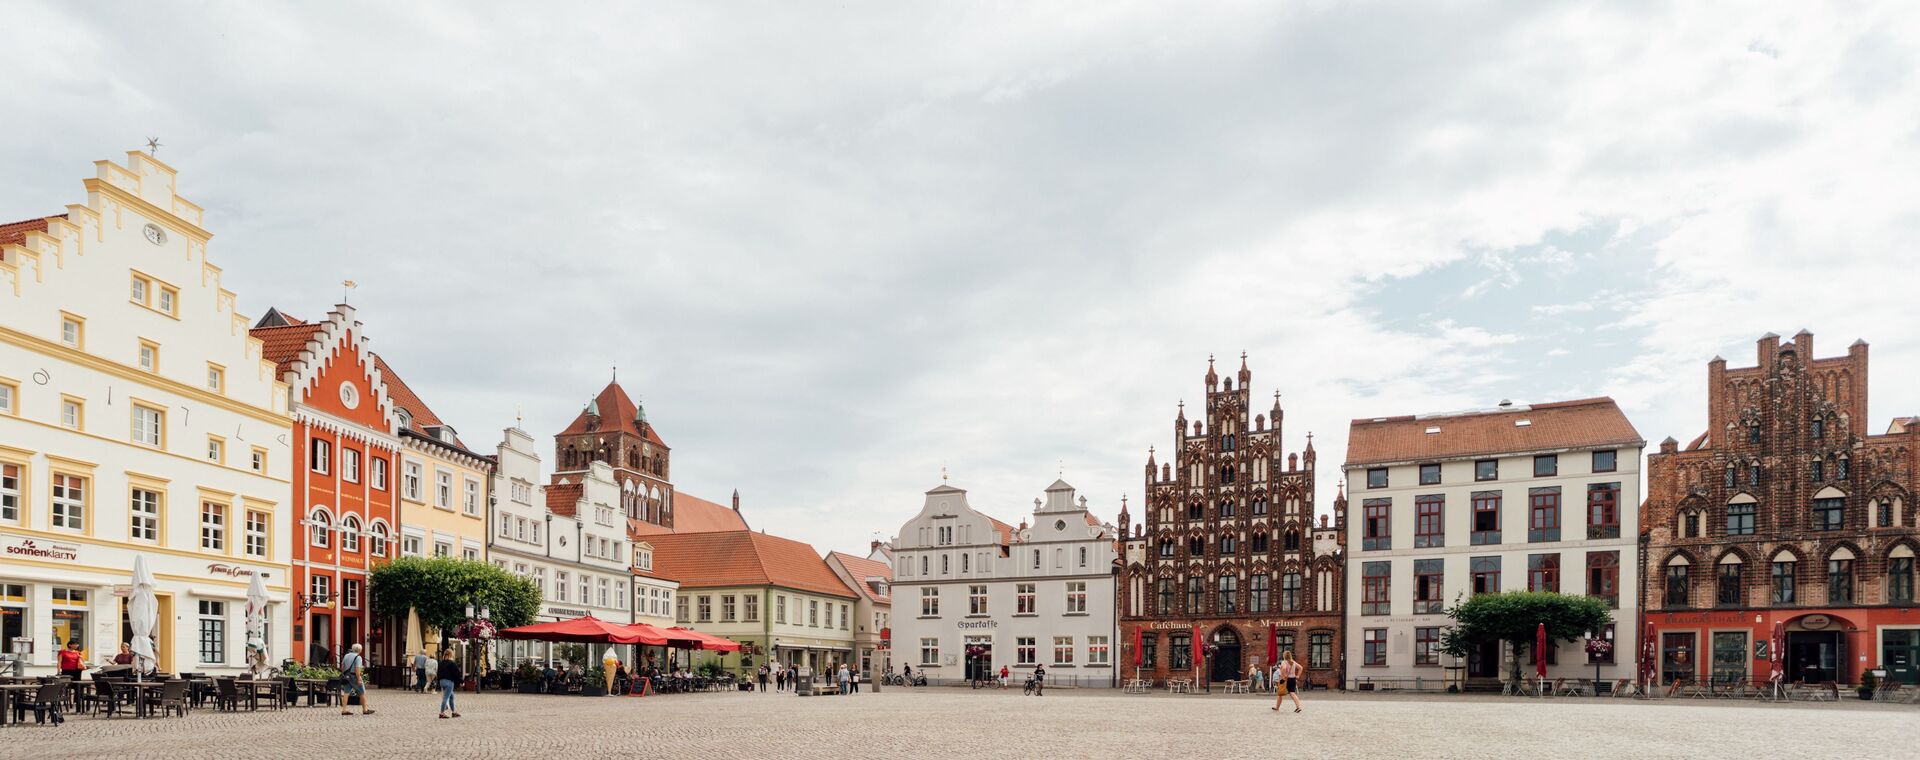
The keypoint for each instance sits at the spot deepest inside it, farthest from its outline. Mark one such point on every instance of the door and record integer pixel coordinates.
(1677, 655)
(1484, 660)
(1813, 656)
(1225, 665)
(979, 654)
(1899, 653)
(1729, 656)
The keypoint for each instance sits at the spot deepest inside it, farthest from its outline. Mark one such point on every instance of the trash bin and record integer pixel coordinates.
(803, 681)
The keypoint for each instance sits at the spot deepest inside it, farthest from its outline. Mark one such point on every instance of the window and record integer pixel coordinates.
(1260, 543)
(813, 613)
(1900, 579)
(1226, 509)
(1376, 577)
(1606, 461)
(377, 539)
(258, 528)
(976, 600)
(319, 528)
(1885, 515)
(213, 527)
(1544, 524)
(148, 423)
(443, 489)
(946, 563)
(1840, 468)
(929, 601)
(9, 398)
(1603, 576)
(1320, 651)
(1149, 650)
(349, 534)
(1259, 506)
(1378, 525)
(1429, 582)
(1098, 650)
(1727, 585)
(320, 588)
(149, 356)
(1740, 518)
(1603, 510)
(1486, 518)
(1829, 514)
(1486, 575)
(1819, 427)
(168, 300)
(73, 331)
(143, 510)
(140, 290)
(1426, 645)
(1753, 473)
(349, 465)
(1783, 581)
(410, 546)
(1677, 583)
(750, 612)
(780, 608)
(1374, 648)
(1163, 591)
(73, 414)
(1690, 525)
(216, 378)
(1840, 580)
(1486, 469)
(321, 456)
(216, 450)
(1229, 545)
(379, 473)
(1290, 592)
(69, 501)
(679, 603)
(1063, 650)
(350, 593)
(1291, 541)
(1196, 547)
(1024, 651)
(1429, 474)
(1543, 572)
(1818, 470)
(410, 480)
(605, 600)
(929, 651)
(443, 549)
(1377, 477)
(1229, 593)
(1259, 593)
(704, 605)
(1076, 597)
(727, 608)
(1180, 649)
(560, 593)
(1546, 465)
(1194, 593)
(1429, 524)
(470, 503)
(10, 494)
(1196, 512)
(213, 632)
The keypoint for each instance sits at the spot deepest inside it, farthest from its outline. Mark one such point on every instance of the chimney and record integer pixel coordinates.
(874, 545)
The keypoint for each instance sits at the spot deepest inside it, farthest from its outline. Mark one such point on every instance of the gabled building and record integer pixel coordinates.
(137, 418)
(775, 596)
(873, 611)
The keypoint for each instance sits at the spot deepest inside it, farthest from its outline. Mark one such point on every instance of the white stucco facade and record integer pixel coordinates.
(1036, 595)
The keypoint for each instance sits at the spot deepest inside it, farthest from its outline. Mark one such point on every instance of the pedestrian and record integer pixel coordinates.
(1286, 681)
(1259, 677)
(1039, 680)
(420, 671)
(353, 683)
(763, 679)
(72, 661)
(845, 680)
(449, 673)
(856, 681)
(1003, 676)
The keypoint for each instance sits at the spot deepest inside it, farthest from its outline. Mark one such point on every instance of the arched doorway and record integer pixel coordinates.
(1225, 662)
(1817, 648)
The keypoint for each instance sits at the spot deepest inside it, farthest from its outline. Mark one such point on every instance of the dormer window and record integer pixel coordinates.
(406, 420)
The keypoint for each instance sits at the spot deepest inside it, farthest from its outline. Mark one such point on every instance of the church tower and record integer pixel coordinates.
(613, 428)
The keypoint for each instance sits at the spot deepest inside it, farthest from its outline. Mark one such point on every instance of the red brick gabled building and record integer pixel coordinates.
(1788, 510)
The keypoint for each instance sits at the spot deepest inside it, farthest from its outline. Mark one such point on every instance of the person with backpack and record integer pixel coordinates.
(353, 683)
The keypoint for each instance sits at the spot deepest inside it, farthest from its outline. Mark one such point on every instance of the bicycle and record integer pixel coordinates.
(1033, 687)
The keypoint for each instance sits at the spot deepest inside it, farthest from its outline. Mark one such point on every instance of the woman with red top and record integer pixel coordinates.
(72, 662)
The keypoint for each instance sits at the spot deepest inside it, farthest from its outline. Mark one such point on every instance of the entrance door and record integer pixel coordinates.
(980, 665)
(1484, 660)
(1226, 656)
(1729, 656)
(1813, 656)
(162, 630)
(1677, 657)
(1900, 655)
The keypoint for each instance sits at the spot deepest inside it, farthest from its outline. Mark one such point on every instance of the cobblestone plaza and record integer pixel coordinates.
(951, 722)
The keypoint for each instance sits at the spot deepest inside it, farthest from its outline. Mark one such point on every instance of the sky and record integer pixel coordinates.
(838, 248)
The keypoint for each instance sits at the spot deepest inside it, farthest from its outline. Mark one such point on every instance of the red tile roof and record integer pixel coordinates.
(403, 397)
(617, 413)
(638, 528)
(15, 233)
(743, 558)
(692, 514)
(281, 345)
(562, 499)
(1559, 425)
(860, 569)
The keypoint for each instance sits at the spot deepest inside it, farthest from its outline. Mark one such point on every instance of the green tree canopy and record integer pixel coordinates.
(440, 588)
(1514, 617)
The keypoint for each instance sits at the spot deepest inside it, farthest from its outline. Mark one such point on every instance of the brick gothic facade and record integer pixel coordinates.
(1788, 511)
(1230, 545)
(614, 429)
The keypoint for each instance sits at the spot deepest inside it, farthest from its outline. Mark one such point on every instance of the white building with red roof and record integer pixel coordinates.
(873, 611)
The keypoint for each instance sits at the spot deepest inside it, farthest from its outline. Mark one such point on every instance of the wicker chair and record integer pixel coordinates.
(172, 696)
(47, 702)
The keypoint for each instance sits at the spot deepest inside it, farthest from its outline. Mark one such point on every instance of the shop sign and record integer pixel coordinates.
(978, 624)
(1815, 622)
(38, 549)
(231, 571)
(565, 612)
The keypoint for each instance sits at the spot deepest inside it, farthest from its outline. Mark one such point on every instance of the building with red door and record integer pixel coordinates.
(345, 449)
(1231, 548)
(1788, 510)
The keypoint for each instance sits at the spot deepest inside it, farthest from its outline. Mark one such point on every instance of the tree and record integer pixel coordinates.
(1514, 617)
(439, 589)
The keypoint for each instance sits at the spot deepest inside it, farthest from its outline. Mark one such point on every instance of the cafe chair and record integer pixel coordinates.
(46, 703)
(172, 696)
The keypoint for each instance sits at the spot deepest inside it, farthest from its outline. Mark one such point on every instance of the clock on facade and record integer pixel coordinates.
(155, 235)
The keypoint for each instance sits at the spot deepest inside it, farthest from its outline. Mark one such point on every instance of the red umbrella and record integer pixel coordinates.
(1648, 652)
(587, 629)
(1137, 653)
(706, 641)
(1273, 644)
(1540, 650)
(1774, 653)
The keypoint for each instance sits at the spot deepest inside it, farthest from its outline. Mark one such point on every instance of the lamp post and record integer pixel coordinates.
(1598, 647)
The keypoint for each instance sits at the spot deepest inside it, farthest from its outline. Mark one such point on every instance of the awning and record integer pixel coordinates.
(709, 642)
(582, 629)
(678, 638)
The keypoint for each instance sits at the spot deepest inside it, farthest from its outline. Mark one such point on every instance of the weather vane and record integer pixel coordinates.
(153, 146)
(347, 287)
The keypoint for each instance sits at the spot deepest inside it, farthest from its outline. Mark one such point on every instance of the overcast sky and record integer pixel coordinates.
(836, 247)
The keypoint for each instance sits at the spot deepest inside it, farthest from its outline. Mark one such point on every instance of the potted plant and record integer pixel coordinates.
(1868, 684)
(593, 682)
(527, 678)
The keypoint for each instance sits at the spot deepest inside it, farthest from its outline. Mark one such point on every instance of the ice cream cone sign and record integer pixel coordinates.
(609, 662)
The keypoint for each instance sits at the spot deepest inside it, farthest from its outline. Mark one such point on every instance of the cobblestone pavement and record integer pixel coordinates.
(948, 722)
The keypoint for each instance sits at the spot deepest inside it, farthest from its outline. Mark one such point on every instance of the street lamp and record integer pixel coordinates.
(1598, 647)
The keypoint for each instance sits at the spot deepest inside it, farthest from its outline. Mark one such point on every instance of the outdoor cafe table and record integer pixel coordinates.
(140, 689)
(12, 693)
(313, 687)
(272, 688)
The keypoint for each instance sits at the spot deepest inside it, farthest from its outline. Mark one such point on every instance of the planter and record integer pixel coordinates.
(1866, 694)
(528, 687)
(593, 691)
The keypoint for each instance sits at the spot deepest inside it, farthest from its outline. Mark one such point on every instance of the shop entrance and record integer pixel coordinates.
(1677, 657)
(980, 659)
(1484, 660)
(1225, 665)
(1815, 656)
(1900, 654)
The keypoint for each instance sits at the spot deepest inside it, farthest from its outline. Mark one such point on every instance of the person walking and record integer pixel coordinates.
(846, 681)
(856, 680)
(353, 682)
(420, 671)
(1039, 680)
(72, 661)
(763, 678)
(1286, 681)
(449, 673)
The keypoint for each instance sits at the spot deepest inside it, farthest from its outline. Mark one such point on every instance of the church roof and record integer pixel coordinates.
(617, 412)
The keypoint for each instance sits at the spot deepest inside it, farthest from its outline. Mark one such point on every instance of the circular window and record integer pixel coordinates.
(350, 395)
(1059, 524)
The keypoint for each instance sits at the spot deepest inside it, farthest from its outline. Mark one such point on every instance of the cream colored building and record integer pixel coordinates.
(136, 419)
(773, 595)
(872, 580)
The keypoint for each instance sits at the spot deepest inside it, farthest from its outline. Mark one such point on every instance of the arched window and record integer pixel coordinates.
(1226, 474)
(1677, 581)
(1732, 479)
(1229, 595)
(1742, 515)
(1292, 541)
(377, 539)
(320, 528)
(1226, 508)
(1900, 575)
(350, 534)
(1727, 584)
(1840, 576)
(1784, 577)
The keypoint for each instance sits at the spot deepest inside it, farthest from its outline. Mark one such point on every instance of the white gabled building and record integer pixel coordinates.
(137, 418)
(1034, 595)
